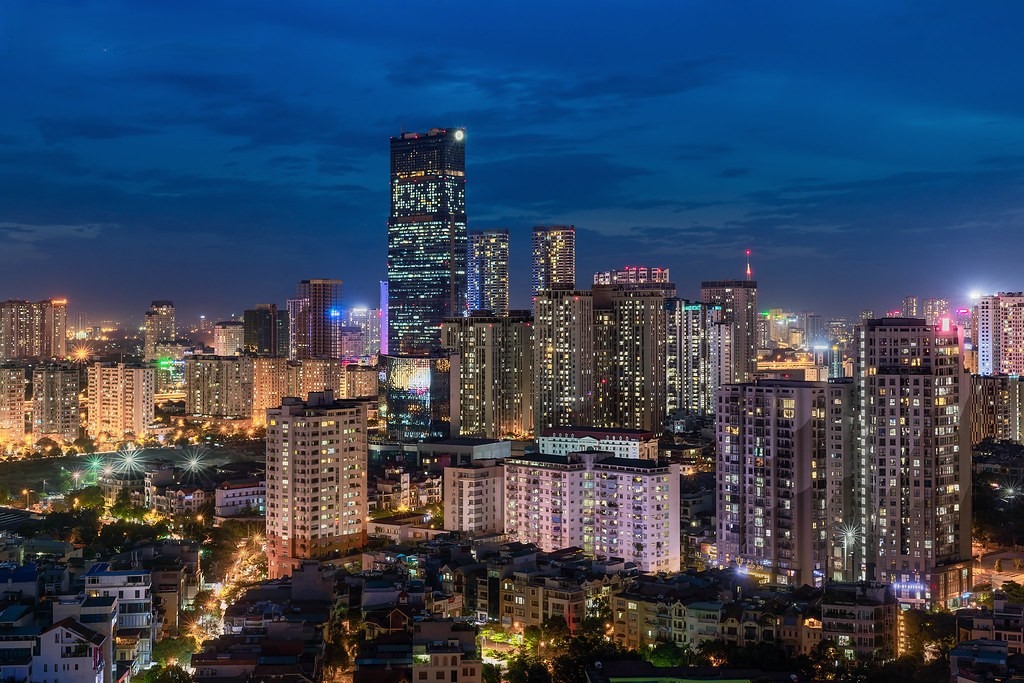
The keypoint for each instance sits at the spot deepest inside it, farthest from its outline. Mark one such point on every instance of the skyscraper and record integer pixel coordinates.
(487, 271)
(367, 320)
(693, 356)
(228, 338)
(426, 238)
(772, 510)
(33, 329)
(913, 480)
(121, 399)
(629, 355)
(563, 358)
(12, 405)
(738, 299)
(315, 319)
(55, 410)
(495, 373)
(554, 257)
(266, 330)
(219, 386)
(159, 327)
(910, 306)
(316, 497)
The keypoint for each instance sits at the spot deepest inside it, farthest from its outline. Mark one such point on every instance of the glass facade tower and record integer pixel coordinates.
(426, 238)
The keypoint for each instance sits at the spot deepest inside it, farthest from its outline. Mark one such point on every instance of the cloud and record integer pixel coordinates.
(33, 242)
(733, 172)
(91, 128)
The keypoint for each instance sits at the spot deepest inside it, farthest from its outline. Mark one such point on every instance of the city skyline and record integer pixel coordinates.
(808, 136)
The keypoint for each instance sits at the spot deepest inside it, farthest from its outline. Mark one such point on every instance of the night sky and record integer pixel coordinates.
(215, 153)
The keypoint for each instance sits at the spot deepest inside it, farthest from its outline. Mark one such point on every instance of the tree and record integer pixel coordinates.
(171, 651)
(90, 497)
(124, 509)
(491, 673)
(582, 650)
(48, 447)
(667, 654)
(526, 669)
(84, 444)
(1014, 592)
(933, 632)
(168, 674)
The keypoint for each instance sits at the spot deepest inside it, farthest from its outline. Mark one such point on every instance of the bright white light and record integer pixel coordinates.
(975, 295)
(459, 135)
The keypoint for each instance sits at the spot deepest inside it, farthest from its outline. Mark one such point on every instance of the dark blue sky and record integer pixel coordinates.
(215, 153)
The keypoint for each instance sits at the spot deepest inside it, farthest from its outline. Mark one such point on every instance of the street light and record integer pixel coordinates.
(25, 492)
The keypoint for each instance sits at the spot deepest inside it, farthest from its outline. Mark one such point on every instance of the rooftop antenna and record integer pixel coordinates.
(749, 272)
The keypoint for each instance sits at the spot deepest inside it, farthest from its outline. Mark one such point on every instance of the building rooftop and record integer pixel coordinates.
(600, 432)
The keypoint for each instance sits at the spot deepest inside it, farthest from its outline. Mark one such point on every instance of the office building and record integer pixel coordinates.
(55, 410)
(265, 331)
(563, 358)
(384, 317)
(367, 321)
(426, 238)
(228, 338)
(487, 271)
(738, 300)
(219, 387)
(554, 258)
(316, 480)
(495, 379)
(120, 399)
(629, 355)
(159, 327)
(771, 480)
(419, 397)
(693, 356)
(474, 498)
(33, 329)
(913, 487)
(609, 506)
(314, 320)
(12, 405)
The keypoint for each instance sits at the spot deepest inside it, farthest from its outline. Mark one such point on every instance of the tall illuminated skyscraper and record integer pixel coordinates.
(738, 299)
(554, 257)
(563, 358)
(33, 329)
(315, 319)
(55, 410)
(693, 354)
(266, 330)
(159, 327)
(426, 238)
(913, 476)
(487, 271)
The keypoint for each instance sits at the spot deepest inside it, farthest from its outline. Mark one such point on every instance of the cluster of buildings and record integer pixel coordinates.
(65, 618)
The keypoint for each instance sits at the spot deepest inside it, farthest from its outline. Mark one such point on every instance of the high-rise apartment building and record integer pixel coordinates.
(487, 271)
(12, 404)
(554, 258)
(609, 506)
(33, 329)
(367, 321)
(999, 333)
(771, 479)
(693, 356)
(121, 399)
(55, 410)
(738, 299)
(315, 320)
(265, 331)
(629, 355)
(633, 275)
(910, 306)
(934, 310)
(316, 480)
(159, 327)
(426, 238)
(563, 358)
(913, 484)
(495, 373)
(219, 386)
(474, 498)
(228, 338)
